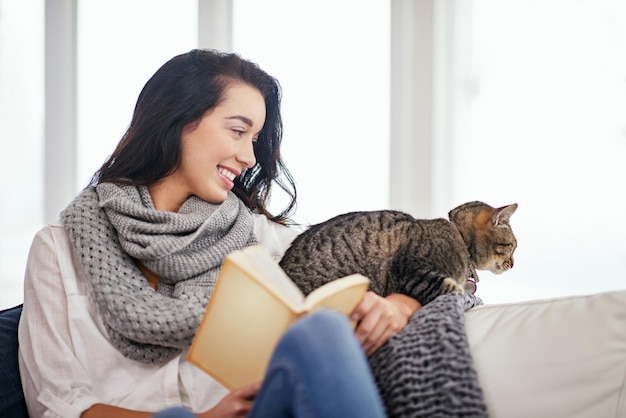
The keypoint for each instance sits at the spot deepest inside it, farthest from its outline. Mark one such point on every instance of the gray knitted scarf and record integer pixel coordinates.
(426, 370)
(111, 225)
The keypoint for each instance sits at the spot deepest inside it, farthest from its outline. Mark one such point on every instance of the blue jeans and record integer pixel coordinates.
(318, 370)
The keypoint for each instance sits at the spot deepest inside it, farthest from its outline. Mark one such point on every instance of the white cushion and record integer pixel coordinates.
(562, 357)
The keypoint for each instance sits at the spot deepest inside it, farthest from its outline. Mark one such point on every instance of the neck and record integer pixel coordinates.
(152, 278)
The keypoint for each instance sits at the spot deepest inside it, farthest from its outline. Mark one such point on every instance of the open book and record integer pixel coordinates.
(253, 303)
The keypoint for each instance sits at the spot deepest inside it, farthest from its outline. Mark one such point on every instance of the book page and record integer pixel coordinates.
(342, 294)
(239, 330)
(261, 265)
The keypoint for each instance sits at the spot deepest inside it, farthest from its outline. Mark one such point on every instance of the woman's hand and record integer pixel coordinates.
(379, 318)
(236, 404)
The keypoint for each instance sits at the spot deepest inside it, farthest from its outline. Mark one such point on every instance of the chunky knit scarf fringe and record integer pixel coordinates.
(111, 225)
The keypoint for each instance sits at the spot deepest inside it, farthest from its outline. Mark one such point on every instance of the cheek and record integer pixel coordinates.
(200, 165)
(196, 151)
(194, 166)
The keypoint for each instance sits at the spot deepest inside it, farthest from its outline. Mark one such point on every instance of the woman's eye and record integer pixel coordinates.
(239, 132)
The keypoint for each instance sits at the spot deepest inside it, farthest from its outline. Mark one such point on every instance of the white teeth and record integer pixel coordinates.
(226, 173)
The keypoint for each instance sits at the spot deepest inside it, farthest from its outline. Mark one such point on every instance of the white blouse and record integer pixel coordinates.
(66, 361)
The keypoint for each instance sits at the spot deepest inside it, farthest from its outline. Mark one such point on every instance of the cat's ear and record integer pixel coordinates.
(503, 214)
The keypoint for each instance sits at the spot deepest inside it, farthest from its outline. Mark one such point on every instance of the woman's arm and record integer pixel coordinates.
(53, 379)
(406, 304)
(104, 411)
(236, 404)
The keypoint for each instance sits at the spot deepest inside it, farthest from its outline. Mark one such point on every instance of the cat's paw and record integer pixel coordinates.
(450, 285)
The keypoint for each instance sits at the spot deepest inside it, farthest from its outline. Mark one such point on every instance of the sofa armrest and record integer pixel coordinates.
(560, 357)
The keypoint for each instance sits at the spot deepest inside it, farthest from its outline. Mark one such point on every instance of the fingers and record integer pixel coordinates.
(373, 331)
(248, 392)
(364, 306)
(378, 319)
(237, 404)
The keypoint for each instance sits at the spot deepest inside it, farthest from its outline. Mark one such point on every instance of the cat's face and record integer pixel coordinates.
(499, 257)
(488, 235)
(495, 241)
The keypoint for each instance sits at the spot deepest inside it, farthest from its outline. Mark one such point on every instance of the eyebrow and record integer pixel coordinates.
(244, 119)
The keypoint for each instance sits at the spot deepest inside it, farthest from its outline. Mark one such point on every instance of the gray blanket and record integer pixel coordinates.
(427, 369)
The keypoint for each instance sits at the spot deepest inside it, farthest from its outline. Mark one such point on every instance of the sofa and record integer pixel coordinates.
(554, 358)
(12, 403)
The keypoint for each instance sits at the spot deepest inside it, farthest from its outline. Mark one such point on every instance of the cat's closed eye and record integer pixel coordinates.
(504, 248)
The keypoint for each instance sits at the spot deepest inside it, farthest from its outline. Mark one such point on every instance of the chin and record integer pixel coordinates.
(215, 198)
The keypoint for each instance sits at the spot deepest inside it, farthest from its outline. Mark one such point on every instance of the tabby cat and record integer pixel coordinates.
(421, 258)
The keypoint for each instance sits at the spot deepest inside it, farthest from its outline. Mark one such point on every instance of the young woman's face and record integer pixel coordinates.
(215, 151)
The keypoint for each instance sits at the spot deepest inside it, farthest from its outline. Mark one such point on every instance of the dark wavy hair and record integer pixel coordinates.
(177, 96)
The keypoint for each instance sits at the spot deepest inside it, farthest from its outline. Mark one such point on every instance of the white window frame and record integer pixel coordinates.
(418, 80)
(214, 31)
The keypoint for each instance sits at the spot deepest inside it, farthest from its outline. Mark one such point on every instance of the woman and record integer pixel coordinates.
(115, 290)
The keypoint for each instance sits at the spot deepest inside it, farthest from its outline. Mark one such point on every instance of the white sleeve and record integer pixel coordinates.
(55, 383)
(275, 237)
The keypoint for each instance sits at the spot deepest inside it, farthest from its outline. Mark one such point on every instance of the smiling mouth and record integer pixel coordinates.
(227, 173)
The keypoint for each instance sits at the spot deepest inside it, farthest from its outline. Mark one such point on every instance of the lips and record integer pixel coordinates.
(230, 175)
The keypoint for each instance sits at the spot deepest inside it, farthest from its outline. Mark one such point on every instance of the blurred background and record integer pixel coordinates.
(407, 104)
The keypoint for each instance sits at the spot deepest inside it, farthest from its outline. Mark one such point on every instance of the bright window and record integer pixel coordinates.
(120, 45)
(21, 139)
(332, 60)
(545, 126)
(335, 104)
(540, 117)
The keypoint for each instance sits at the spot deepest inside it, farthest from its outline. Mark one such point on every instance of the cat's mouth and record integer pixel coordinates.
(499, 268)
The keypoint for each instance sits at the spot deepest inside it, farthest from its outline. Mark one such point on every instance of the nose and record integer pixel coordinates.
(246, 154)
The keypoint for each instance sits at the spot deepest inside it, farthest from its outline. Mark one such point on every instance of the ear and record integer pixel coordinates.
(503, 214)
